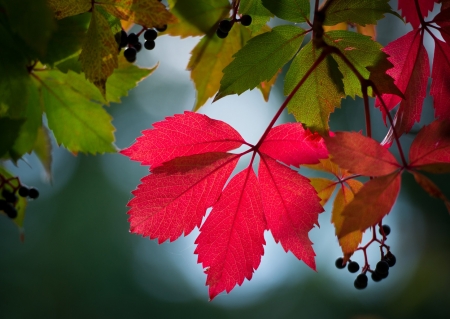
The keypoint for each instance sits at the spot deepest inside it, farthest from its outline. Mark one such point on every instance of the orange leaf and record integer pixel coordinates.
(371, 203)
(368, 29)
(324, 188)
(349, 243)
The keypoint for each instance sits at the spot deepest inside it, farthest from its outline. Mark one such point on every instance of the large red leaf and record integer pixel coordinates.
(431, 188)
(409, 10)
(442, 19)
(410, 73)
(440, 87)
(370, 204)
(175, 197)
(291, 207)
(360, 154)
(230, 244)
(293, 145)
(430, 150)
(182, 135)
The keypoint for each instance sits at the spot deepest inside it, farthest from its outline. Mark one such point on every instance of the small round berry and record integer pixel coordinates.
(390, 259)
(11, 211)
(383, 276)
(246, 20)
(123, 39)
(353, 266)
(382, 267)
(340, 263)
(386, 230)
(3, 204)
(138, 46)
(130, 54)
(23, 191)
(376, 277)
(361, 281)
(133, 39)
(8, 196)
(161, 29)
(149, 44)
(150, 34)
(33, 193)
(225, 26)
(221, 34)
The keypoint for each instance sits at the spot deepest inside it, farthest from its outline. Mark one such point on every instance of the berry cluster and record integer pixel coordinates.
(225, 25)
(381, 270)
(133, 45)
(10, 187)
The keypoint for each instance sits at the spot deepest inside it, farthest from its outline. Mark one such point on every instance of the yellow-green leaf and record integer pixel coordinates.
(67, 8)
(43, 149)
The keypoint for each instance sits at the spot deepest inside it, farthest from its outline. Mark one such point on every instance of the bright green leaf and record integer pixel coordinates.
(255, 8)
(72, 63)
(196, 17)
(260, 59)
(290, 10)
(77, 122)
(318, 96)
(361, 12)
(210, 57)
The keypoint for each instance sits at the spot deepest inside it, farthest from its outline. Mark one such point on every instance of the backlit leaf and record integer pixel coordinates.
(255, 8)
(409, 10)
(43, 149)
(370, 204)
(324, 188)
(67, 8)
(9, 131)
(440, 90)
(360, 154)
(182, 135)
(260, 59)
(318, 96)
(291, 10)
(431, 188)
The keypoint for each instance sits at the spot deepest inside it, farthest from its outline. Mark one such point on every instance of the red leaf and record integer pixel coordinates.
(182, 135)
(370, 204)
(230, 244)
(291, 207)
(440, 87)
(409, 10)
(431, 188)
(442, 19)
(360, 154)
(293, 145)
(410, 73)
(430, 150)
(175, 197)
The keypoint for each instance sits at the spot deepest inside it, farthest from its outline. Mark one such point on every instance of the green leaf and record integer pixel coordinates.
(43, 149)
(360, 50)
(290, 10)
(33, 21)
(361, 12)
(33, 120)
(9, 131)
(260, 15)
(21, 203)
(77, 122)
(71, 63)
(196, 17)
(318, 96)
(67, 8)
(99, 51)
(209, 57)
(67, 39)
(260, 59)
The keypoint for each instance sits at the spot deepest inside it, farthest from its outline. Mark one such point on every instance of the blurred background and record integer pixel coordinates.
(79, 259)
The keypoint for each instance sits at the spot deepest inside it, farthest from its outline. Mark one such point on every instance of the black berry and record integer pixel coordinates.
(340, 263)
(10, 211)
(246, 20)
(133, 39)
(361, 281)
(383, 276)
(33, 193)
(376, 277)
(3, 204)
(162, 29)
(121, 38)
(130, 54)
(138, 46)
(149, 44)
(150, 34)
(23, 191)
(8, 196)
(221, 34)
(382, 267)
(353, 266)
(225, 26)
(386, 230)
(390, 259)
